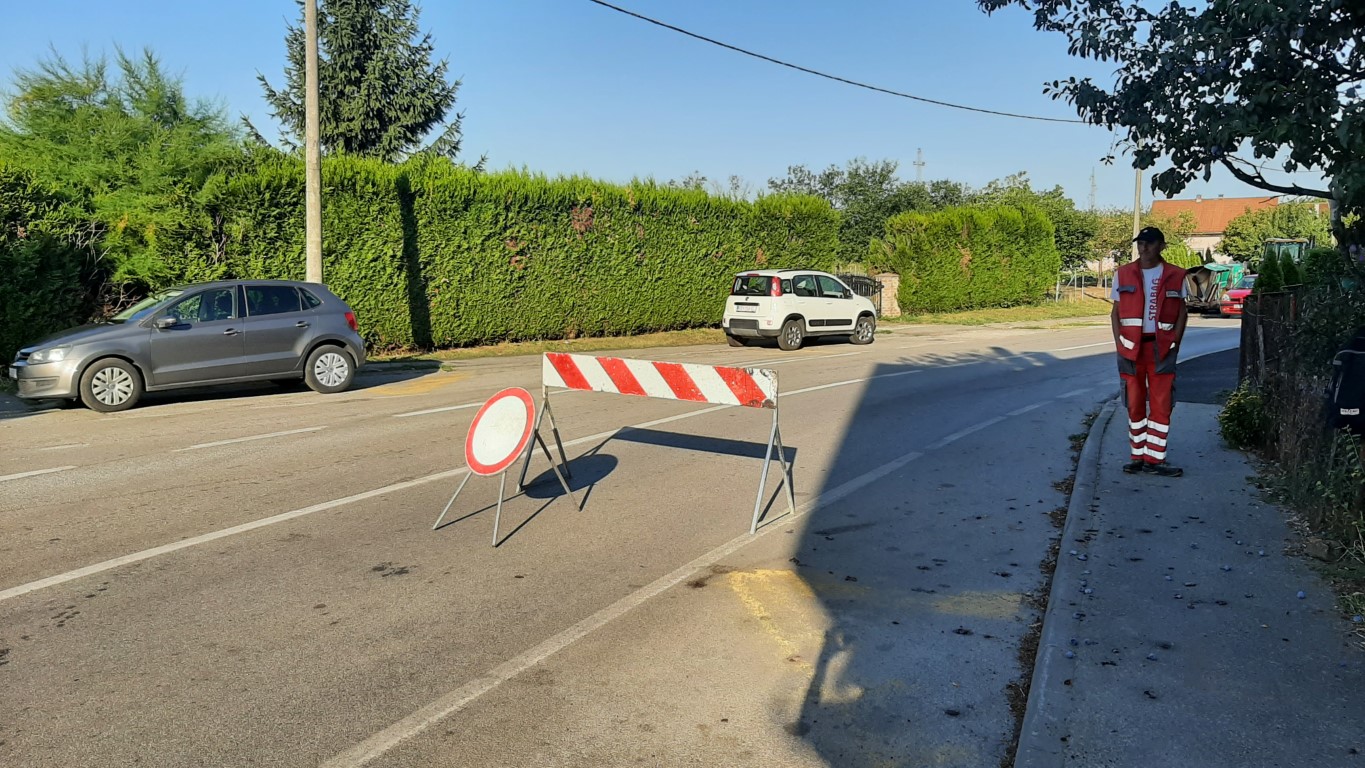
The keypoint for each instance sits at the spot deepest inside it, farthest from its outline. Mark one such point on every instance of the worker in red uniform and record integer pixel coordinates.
(1148, 319)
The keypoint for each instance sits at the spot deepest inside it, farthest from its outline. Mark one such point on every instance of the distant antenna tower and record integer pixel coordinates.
(919, 165)
(1092, 190)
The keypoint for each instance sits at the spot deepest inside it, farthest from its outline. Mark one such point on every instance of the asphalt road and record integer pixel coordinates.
(250, 577)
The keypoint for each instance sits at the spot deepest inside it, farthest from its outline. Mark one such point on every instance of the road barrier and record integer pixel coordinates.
(690, 382)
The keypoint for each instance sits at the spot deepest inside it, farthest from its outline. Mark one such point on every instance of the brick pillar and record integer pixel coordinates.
(891, 286)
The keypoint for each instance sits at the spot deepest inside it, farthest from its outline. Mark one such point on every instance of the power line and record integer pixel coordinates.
(827, 76)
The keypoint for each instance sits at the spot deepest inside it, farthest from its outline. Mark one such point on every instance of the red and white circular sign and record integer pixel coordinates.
(500, 432)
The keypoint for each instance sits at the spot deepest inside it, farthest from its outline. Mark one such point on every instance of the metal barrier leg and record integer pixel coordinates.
(555, 467)
(497, 516)
(526, 465)
(554, 429)
(786, 473)
(763, 481)
(452, 501)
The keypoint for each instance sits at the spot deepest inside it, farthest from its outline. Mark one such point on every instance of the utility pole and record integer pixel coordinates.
(1137, 208)
(312, 152)
(919, 165)
(1093, 190)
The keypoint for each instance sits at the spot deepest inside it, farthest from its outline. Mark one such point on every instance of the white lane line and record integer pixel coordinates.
(1074, 393)
(803, 359)
(961, 433)
(249, 439)
(462, 697)
(65, 447)
(149, 553)
(1083, 346)
(437, 410)
(1026, 409)
(145, 554)
(34, 473)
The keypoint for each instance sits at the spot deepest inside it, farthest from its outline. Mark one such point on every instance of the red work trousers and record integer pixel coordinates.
(1149, 395)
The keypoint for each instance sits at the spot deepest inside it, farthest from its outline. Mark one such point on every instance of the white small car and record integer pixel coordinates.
(792, 304)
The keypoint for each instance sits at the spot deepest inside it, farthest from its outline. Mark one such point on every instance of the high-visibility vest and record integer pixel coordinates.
(1133, 307)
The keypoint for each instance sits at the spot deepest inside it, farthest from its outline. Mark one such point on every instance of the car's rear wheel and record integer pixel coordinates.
(864, 331)
(734, 341)
(111, 385)
(792, 336)
(329, 370)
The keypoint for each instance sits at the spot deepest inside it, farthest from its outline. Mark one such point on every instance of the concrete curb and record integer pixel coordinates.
(381, 366)
(1037, 745)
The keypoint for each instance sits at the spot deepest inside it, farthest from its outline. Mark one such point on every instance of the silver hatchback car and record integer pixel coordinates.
(211, 333)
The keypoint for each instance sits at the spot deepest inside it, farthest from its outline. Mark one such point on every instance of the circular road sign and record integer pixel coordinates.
(500, 432)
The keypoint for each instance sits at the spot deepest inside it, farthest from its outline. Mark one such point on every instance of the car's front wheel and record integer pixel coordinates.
(111, 385)
(792, 336)
(864, 331)
(329, 369)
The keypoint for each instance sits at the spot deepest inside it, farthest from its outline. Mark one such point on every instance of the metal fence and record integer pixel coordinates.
(868, 287)
(1267, 327)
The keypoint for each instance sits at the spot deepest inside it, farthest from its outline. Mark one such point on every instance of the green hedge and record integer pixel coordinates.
(42, 288)
(432, 254)
(969, 258)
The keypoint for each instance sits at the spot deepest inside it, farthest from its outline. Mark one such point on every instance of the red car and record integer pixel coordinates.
(1231, 303)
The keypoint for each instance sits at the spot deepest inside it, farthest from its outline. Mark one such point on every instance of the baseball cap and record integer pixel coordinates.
(1150, 235)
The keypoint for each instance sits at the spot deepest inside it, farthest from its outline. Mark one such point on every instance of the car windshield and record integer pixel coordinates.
(145, 307)
(1247, 282)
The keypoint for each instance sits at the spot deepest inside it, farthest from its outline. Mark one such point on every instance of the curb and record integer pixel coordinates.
(1039, 715)
(380, 366)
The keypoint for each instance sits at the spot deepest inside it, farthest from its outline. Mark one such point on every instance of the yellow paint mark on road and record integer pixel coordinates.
(422, 385)
(981, 605)
(782, 603)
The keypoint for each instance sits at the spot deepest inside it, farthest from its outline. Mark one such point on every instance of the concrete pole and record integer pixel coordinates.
(1137, 209)
(312, 152)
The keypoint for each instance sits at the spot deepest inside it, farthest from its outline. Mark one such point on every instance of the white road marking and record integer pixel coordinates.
(1083, 346)
(829, 496)
(34, 473)
(64, 447)
(1074, 393)
(961, 433)
(1026, 409)
(145, 554)
(799, 360)
(462, 697)
(437, 410)
(249, 439)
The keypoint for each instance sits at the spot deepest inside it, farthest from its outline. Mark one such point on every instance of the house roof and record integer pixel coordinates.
(1212, 214)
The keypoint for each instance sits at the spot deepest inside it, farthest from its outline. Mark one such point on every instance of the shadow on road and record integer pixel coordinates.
(921, 575)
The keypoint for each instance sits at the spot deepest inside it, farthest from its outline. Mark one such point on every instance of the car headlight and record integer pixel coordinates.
(1226, 297)
(50, 355)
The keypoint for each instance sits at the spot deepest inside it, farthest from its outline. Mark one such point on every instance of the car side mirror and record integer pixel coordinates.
(163, 323)
(848, 293)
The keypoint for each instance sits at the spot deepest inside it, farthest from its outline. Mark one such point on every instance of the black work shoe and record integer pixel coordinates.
(1165, 470)
(1135, 467)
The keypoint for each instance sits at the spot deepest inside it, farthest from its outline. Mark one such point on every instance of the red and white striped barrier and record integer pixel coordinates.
(713, 384)
(716, 384)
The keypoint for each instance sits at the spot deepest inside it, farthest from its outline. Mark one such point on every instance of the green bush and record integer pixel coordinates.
(1182, 256)
(1269, 278)
(1289, 271)
(1244, 421)
(969, 258)
(41, 283)
(1324, 263)
(432, 254)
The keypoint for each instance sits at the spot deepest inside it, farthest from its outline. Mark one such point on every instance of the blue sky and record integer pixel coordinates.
(566, 86)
